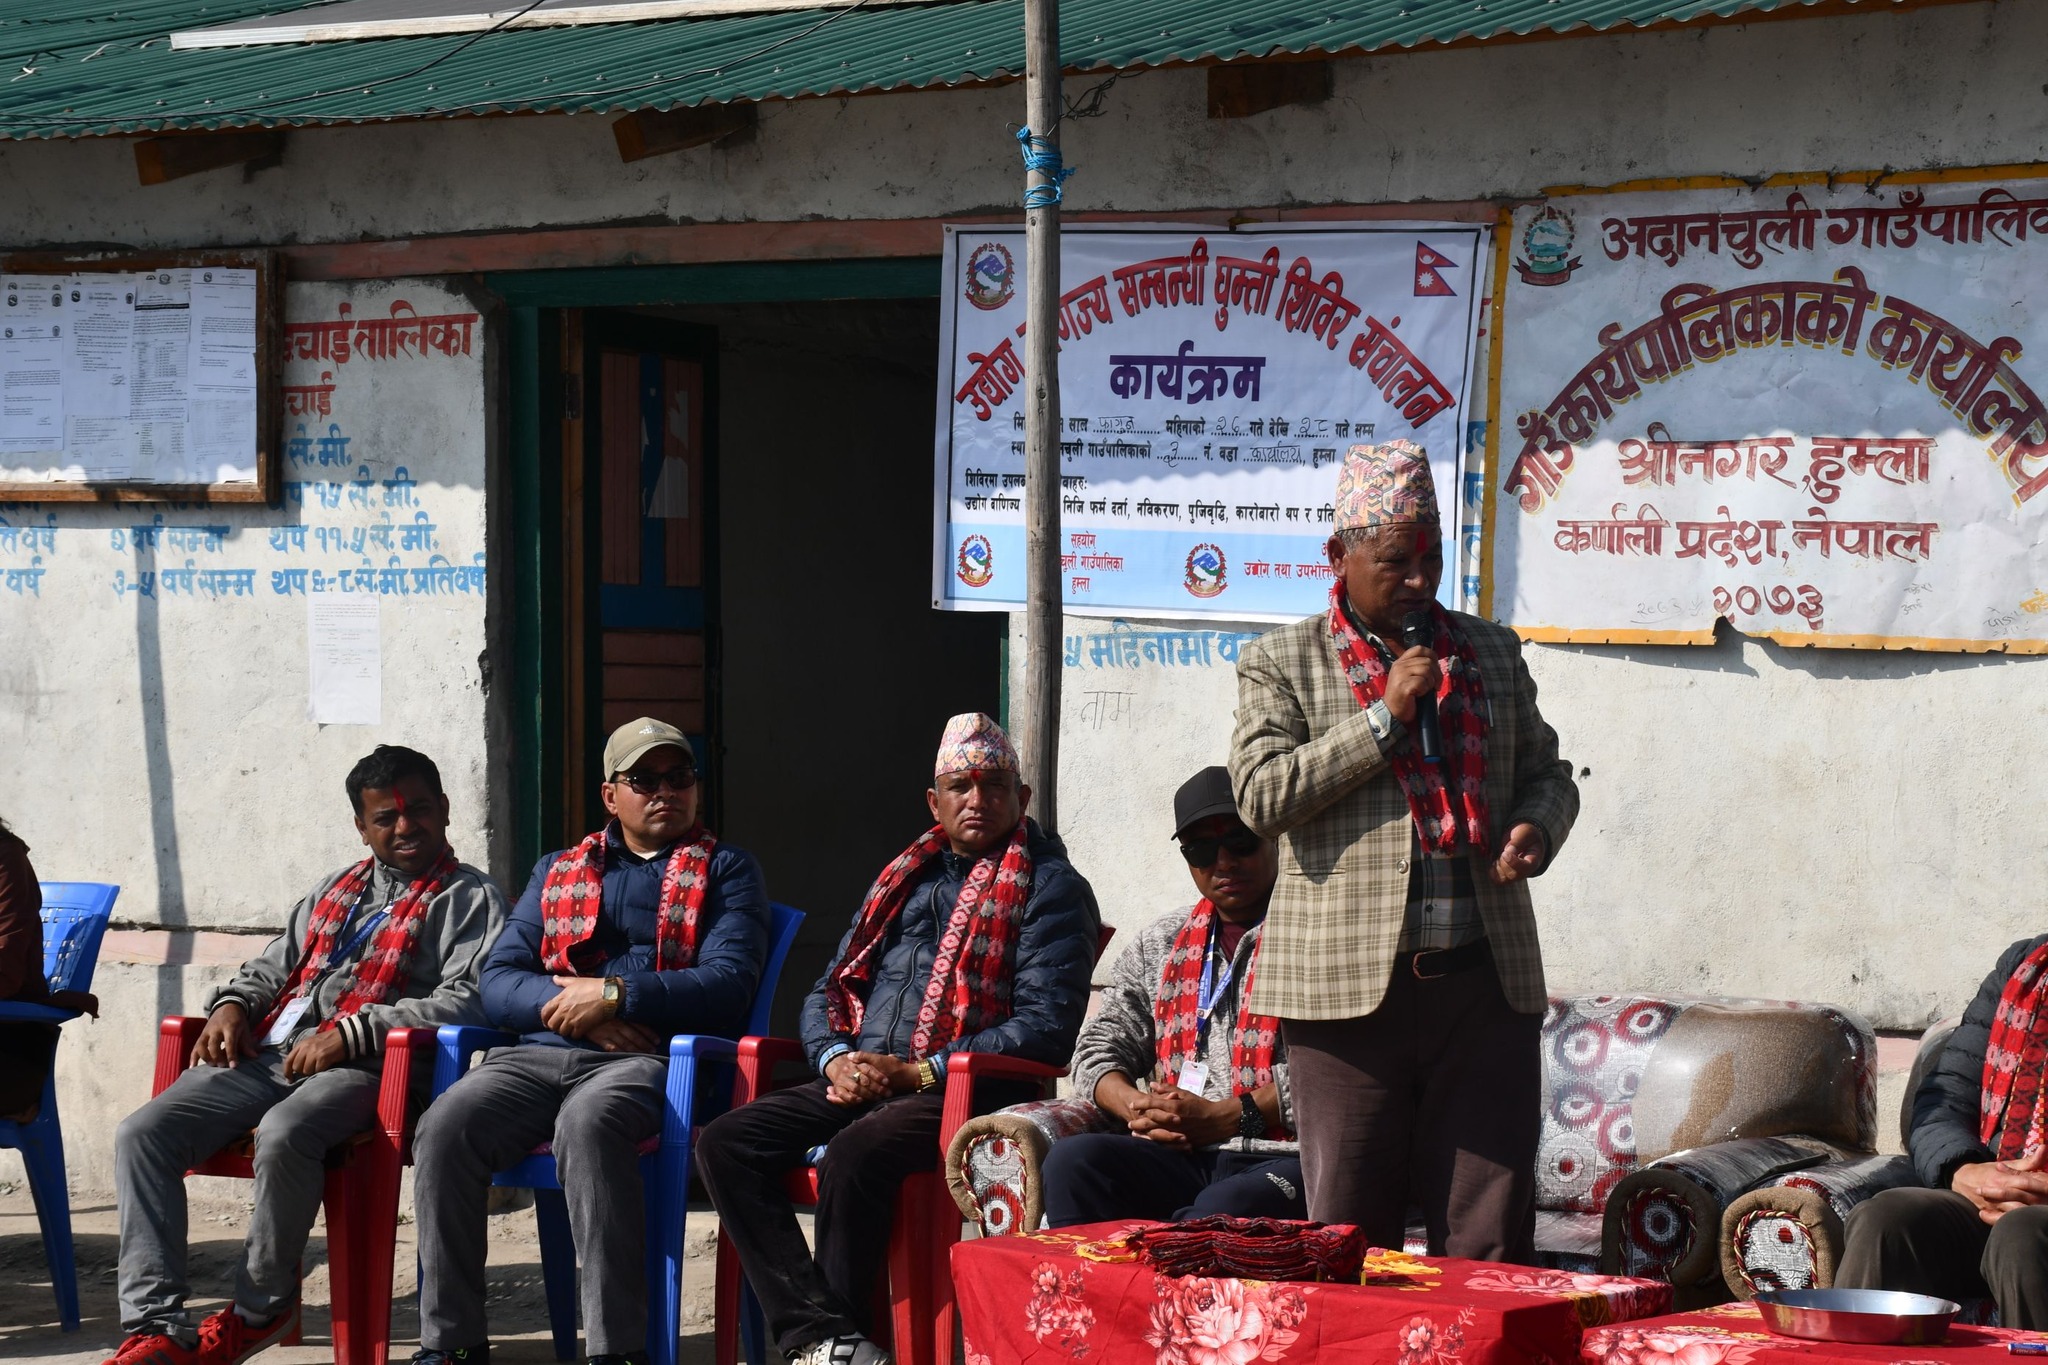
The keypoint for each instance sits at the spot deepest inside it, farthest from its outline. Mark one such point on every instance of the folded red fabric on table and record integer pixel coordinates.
(1251, 1249)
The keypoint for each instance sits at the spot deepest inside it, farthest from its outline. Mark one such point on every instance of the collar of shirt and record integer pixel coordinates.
(615, 847)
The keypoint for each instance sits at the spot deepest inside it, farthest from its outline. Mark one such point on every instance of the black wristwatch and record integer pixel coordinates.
(1251, 1123)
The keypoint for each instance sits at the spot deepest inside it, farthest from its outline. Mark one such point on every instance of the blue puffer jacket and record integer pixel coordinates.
(711, 997)
(1946, 1107)
(1055, 955)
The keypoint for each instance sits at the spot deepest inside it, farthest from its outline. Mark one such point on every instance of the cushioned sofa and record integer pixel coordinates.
(1787, 1232)
(1658, 1113)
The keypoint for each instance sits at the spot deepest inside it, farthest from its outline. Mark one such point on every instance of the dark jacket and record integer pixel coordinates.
(1947, 1105)
(21, 925)
(711, 997)
(1054, 957)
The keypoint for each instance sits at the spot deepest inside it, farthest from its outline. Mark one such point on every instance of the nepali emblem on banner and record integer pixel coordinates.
(1206, 571)
(1547, 248)
(977, 562)
(991, 276)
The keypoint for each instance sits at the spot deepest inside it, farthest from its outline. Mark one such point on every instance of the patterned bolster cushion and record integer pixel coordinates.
(993, 1164)
(1664, 1220)
(1788, 1234)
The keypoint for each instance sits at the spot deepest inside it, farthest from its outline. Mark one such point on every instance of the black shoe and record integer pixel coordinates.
(474, 1355)
(630, 1358)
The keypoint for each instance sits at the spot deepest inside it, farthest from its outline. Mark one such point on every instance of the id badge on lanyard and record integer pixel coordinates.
(1194, 1074)
(295, 1009)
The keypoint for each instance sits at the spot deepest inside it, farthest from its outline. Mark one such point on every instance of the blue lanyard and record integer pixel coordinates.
(355, 940)
(1214, 985)
(368, 927)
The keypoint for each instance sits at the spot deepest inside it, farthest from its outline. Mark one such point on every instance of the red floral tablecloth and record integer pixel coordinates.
(1074, 1295)
(1733, 1334)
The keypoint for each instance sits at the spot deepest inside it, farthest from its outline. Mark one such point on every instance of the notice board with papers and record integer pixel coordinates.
(139, 378)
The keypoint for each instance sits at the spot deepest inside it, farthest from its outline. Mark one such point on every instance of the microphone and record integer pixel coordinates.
(1417, 628)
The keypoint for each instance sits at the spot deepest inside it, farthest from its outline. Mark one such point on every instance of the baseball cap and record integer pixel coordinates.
(636, 738)
(1205, 794)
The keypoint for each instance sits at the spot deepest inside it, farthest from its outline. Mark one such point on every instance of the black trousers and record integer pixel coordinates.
(1094, 1177)
(1933, 1242)
(1432, 1100)
(743, 1156)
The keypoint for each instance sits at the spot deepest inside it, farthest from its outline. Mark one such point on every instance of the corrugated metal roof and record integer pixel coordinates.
(71, 68)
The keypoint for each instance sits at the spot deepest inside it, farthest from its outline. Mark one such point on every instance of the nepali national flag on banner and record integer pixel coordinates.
(1428, 283)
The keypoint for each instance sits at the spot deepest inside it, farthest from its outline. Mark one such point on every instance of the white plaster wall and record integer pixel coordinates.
(1755, 820)
(159, 739)
(1947, 85)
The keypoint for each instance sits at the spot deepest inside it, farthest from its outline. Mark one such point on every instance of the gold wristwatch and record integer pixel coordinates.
(927, 1074)
(614, 994)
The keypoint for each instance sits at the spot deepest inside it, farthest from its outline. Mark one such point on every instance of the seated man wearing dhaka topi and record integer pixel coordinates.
(1209, 1134)
(1395, 750)
(979, 937)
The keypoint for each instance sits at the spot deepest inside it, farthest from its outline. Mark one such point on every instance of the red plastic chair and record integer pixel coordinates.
(361, 1196)
(919, 1282)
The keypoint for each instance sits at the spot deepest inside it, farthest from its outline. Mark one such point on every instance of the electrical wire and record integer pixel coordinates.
(440, 110)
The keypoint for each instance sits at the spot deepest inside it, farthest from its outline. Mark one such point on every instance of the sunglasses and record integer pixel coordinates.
(647, 784)
(1202, 852)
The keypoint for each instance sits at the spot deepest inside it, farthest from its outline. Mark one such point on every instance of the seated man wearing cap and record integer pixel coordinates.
(1210, 1135)
(648, 928)
(979, 937)
(294, 1046)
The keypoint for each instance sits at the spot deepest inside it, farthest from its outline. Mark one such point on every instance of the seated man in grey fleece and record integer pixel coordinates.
(1210, 1134)
(294, 1047)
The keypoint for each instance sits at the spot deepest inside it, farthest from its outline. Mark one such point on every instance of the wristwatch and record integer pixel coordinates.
(927, 1074)
(1251, 1123)
(614, 994)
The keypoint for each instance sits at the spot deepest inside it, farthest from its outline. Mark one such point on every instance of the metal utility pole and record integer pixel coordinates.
(1040, 713)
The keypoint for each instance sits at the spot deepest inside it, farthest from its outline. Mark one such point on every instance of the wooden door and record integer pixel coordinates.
(647, 607)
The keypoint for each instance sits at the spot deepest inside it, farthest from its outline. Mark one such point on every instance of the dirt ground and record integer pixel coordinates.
(519, 1327)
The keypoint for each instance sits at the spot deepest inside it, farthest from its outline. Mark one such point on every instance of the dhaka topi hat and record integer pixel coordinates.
(1385, 485)
(973, 741)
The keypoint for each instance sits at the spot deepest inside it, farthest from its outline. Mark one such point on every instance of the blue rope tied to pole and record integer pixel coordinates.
(1041, 156)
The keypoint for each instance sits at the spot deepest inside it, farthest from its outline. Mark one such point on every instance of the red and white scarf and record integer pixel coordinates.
(1443, 813)
(969, 989)
(1177, 1006)
(380, 972)
(573, 896)
(2012, 1112)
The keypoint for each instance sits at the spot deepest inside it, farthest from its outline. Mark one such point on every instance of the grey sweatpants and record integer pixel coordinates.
(596, 1107)
(202, 1111)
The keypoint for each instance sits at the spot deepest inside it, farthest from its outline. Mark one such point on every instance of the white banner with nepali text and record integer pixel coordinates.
(1810, 409)
(1210, 382)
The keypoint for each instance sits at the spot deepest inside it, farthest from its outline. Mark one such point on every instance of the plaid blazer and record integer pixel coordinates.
(1308, 771)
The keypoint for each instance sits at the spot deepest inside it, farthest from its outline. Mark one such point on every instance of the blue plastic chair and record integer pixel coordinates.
(75, 916)
(664, 1166)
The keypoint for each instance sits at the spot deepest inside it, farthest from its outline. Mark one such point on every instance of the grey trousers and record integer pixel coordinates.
(596, 1107)
(201, 1112)
(1933, 1242)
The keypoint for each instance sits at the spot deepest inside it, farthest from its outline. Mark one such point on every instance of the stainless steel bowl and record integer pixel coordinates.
(1869, 1317)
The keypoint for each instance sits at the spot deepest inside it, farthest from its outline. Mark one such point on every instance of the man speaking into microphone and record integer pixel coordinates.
(1400, 945)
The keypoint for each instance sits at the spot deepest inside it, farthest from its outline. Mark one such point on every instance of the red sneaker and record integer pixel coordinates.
(224, 1339)
(153, 1348)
